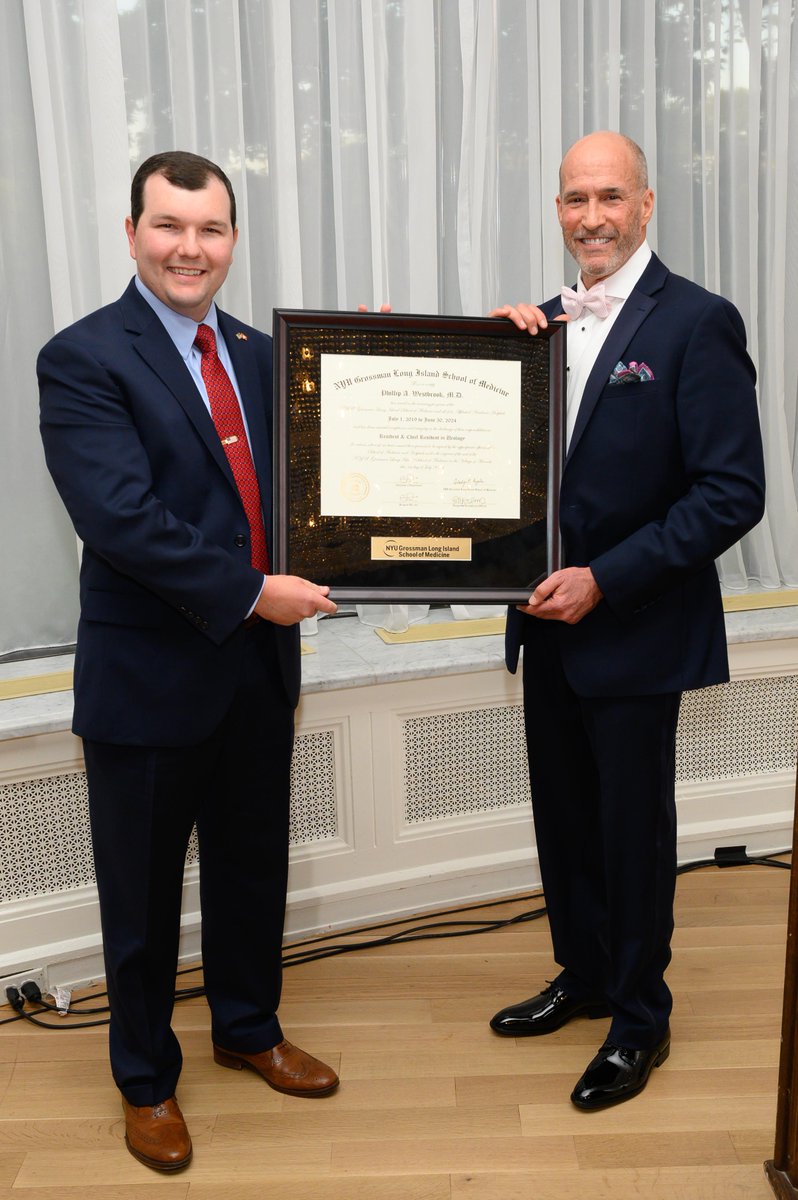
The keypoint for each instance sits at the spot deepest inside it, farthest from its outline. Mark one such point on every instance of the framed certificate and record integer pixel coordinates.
(417, 458)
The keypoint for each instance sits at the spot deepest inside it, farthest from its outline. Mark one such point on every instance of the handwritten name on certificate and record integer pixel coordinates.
(420, 437)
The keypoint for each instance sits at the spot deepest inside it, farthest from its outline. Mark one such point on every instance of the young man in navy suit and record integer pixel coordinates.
(663, 472)
(156, 416)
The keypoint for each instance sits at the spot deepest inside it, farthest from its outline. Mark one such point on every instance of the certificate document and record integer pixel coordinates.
(420, 437)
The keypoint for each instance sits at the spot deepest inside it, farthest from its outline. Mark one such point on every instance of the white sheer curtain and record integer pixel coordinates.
(401, 150)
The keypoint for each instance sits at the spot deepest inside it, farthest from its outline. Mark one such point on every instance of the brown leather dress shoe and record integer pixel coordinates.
(157, 1135)
(286, 1068)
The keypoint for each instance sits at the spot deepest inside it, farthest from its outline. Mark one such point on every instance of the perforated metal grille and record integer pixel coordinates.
(314, 814)
(457, 764)
(460, 763)
(746, 727)
(45, 840)
(45, 844)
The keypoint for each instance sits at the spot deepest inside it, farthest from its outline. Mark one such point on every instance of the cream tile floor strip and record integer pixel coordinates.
(478, 627)
(60, 681)
(749, 601)
(35, 685)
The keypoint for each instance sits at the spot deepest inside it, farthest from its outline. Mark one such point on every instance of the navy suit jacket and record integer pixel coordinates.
(660, 478)
(165, 579)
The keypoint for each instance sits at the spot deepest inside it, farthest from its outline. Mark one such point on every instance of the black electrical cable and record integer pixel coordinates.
(46, 1006)
(66, 1023)
(33, 1018)
(417, 934)
(763, 860)
(413, 934)
(446, 912)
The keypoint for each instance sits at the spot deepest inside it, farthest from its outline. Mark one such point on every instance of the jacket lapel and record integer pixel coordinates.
(637, 307)
(158, 351)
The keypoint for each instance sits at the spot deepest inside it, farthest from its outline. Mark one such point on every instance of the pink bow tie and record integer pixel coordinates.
(594, 300)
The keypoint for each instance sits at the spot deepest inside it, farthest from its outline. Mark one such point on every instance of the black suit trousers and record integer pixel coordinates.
(602, 773)
(143, 803)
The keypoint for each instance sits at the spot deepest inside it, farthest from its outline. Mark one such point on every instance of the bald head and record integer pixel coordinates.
(604, 203)
(608, 143)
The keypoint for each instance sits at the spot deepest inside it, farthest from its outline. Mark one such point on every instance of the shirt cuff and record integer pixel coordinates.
(255, 601)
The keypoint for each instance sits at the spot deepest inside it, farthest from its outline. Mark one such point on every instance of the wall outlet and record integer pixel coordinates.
(37, 975)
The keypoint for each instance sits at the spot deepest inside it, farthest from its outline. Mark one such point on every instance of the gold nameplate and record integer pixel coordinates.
(421, 549)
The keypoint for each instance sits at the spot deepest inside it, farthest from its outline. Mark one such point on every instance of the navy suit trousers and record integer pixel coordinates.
(602, 773)
(143, 804)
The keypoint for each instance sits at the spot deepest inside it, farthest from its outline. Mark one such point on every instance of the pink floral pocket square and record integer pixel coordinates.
(634, 373)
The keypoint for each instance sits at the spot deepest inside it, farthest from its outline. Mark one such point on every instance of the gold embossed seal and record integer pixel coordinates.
(355, 486)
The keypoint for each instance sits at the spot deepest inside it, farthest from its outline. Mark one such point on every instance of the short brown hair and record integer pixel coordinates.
(181, 169)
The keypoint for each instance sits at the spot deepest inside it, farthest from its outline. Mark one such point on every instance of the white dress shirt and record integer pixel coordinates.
(587, 334)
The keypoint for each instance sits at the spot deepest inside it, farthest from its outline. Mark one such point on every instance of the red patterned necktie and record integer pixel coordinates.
(229, 423)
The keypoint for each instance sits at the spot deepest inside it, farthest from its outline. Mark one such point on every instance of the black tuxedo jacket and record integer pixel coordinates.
(660, 478)
(166, 579)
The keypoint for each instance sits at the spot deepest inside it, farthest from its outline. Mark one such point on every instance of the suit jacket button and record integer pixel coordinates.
(240, 539)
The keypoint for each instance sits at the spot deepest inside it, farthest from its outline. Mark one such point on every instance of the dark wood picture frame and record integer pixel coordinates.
(782, 1169)
(509, 557)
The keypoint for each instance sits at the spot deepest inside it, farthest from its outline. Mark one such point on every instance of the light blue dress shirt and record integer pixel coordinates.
(182, 330)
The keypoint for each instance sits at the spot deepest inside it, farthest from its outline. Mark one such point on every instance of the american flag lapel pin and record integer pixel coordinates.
(242, 337)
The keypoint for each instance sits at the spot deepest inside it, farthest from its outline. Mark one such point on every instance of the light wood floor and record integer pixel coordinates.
(432, 1105)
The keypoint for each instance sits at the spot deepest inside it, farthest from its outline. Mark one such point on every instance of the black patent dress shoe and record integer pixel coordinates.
(618, 1073)
(545, 1013)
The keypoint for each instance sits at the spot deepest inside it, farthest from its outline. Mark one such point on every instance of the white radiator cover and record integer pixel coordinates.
(404, 796)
